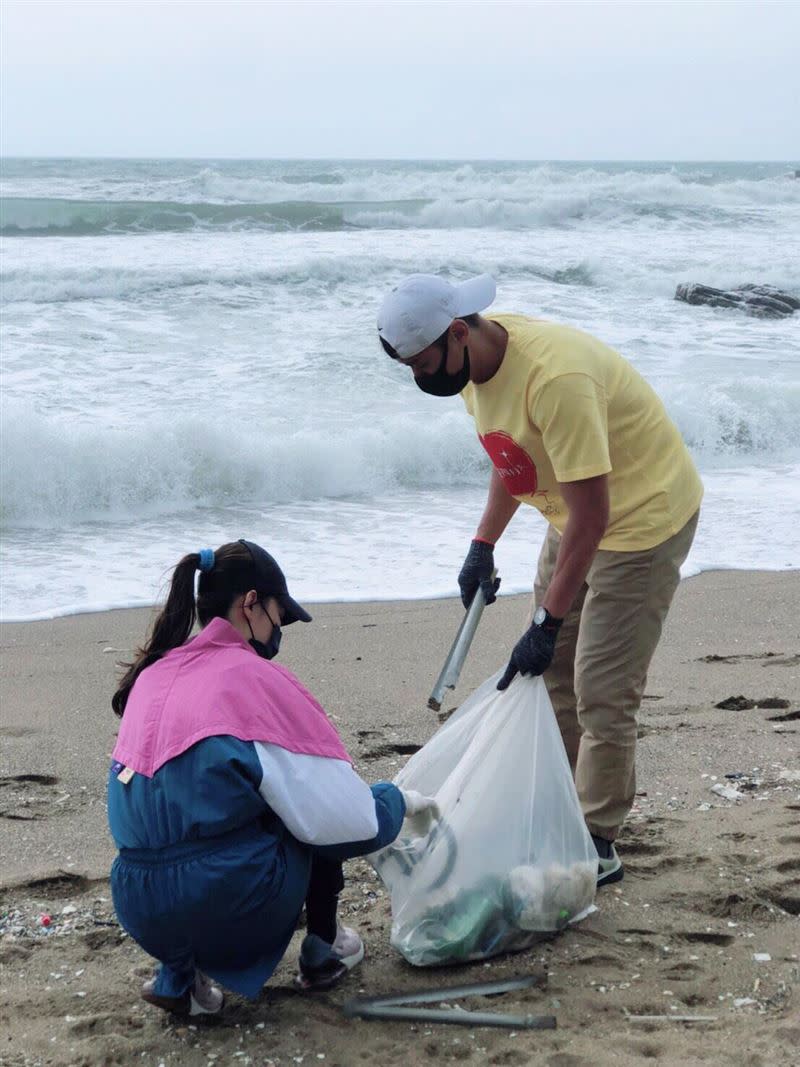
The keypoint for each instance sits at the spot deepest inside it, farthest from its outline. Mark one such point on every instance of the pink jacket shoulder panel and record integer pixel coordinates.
(217, 684)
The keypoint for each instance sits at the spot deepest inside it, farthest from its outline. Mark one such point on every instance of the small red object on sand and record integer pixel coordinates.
(46, 920)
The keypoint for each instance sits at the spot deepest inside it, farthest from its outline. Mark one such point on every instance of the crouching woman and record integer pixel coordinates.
(231, 797)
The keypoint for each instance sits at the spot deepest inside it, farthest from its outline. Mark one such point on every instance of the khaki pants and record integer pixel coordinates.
(598, 674)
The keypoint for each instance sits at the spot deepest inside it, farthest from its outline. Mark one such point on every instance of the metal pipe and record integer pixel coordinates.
(397, 1006)
(456, 1017)
(451, 670)
(435, 996)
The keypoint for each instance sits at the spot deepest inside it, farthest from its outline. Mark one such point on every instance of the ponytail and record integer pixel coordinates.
(224, 574)
(171, 628)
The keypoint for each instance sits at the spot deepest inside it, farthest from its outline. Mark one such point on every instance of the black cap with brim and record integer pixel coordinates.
(270, 581)
(292, 611)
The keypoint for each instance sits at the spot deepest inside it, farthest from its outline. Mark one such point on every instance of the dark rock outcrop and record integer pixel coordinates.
(763, 301)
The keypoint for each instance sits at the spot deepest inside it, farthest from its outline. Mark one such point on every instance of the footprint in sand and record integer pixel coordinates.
(643, 842)
(93, 1025)
(401, 748)
(601, 959)
(681, 972)
(58, 884)
(785, 892)
(26, 796)
(511, 1056)
(106, 937)
(641, 848)
(747, 905)
(705, 937)
(14, 953)
(16, 731)
(637, 848)
(786, 896)
(29, 797)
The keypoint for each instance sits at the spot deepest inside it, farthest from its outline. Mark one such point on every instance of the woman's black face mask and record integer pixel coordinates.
(266, 649)
(440, 383)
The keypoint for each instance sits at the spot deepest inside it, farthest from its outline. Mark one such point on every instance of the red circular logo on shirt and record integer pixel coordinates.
(511, 462)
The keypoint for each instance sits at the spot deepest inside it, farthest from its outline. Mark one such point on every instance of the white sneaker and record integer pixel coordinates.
(609, 865)
(322, 965)
(349, 946)
(204, 998)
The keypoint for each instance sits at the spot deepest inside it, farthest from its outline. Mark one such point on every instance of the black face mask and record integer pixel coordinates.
(266, 649)
(440, 383)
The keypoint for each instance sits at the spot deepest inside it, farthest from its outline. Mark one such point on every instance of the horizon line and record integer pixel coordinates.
(388, 159)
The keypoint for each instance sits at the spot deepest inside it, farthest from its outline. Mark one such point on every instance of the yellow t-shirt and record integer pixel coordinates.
(563, 407)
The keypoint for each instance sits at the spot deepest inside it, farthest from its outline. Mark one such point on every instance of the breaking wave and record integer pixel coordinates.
(53, 472)
(317, 273)
(460, 197)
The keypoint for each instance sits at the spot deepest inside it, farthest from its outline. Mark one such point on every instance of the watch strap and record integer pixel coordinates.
(549, 622)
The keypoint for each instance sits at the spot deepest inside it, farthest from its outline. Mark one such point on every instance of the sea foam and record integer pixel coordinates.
(404, 198)
(189, 354)
(53, 471)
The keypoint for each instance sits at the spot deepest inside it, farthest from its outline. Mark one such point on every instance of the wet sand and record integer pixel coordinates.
(710, 883)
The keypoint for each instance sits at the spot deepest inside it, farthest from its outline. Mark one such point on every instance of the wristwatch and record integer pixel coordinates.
(543, 618)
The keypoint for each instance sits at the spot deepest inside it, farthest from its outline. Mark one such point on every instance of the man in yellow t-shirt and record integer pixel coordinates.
(574, 430)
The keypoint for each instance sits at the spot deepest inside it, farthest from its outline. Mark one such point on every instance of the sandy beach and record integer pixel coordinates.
(705, 923)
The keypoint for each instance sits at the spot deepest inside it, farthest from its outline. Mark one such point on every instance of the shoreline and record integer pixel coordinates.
(101, 609)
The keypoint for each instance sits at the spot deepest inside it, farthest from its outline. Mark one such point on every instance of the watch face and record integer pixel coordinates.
(539, 616)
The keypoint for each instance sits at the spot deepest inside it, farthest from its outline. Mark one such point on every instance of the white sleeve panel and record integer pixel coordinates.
(321, 801)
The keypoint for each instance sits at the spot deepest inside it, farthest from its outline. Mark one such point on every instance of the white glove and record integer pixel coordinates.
(421, 812)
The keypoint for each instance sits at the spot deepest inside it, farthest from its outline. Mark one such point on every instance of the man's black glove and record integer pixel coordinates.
(533, 653)
(477, 572)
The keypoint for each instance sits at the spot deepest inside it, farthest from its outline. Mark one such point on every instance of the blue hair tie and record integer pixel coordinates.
(206, 559)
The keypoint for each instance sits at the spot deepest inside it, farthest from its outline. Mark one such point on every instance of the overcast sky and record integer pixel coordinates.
(487, 79)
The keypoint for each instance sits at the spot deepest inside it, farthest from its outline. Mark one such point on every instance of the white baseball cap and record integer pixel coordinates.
(420, 309)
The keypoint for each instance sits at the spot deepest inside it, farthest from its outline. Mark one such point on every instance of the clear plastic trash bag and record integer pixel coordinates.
(510, 859)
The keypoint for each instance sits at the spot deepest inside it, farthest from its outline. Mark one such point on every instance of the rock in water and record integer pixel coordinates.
(762, 301)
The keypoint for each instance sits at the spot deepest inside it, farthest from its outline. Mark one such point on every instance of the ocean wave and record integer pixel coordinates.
(315, 276)
(748, 417)
(534, 185)
(61, 284)
(463, 198)
(52, 471)
(267, 182)
(67, 283)
(26, 217)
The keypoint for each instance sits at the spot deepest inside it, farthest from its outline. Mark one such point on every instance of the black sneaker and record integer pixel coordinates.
(609, 867)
